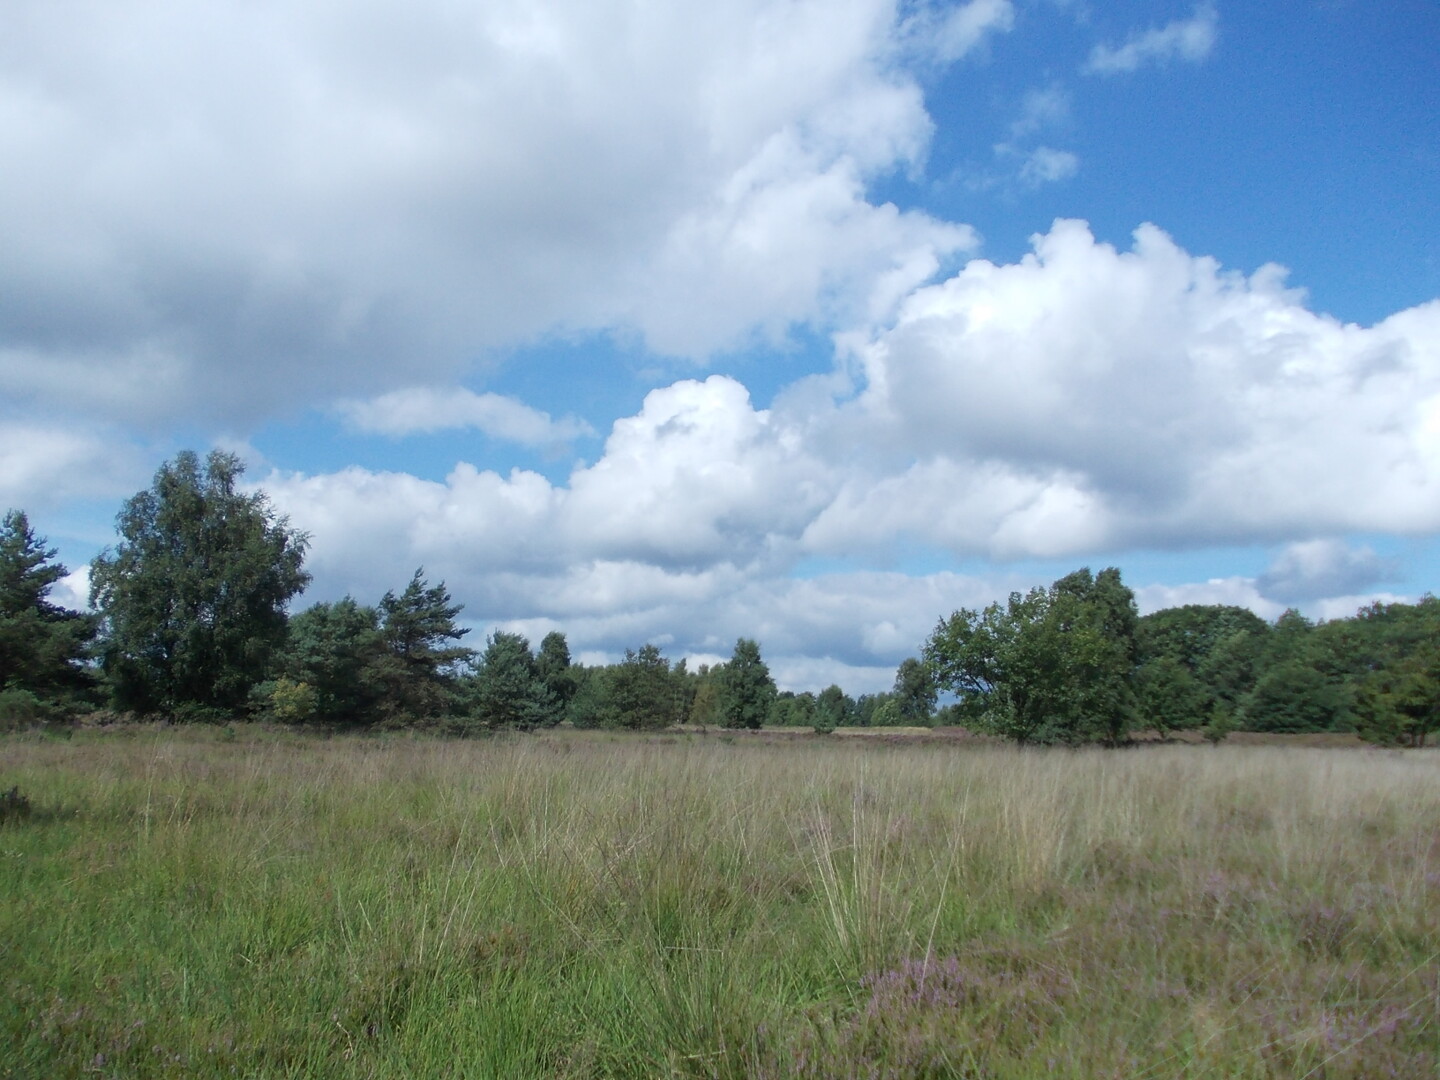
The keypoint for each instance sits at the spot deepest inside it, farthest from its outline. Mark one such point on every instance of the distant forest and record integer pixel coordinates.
(191, 623)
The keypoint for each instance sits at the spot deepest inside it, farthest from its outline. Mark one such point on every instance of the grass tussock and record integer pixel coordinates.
(253, 903)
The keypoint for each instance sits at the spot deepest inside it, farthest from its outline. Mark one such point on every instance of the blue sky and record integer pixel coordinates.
(804, 321)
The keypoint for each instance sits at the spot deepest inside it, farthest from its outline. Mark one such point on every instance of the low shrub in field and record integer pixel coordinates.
(931, 1019)
(13, 806)
(21, 709)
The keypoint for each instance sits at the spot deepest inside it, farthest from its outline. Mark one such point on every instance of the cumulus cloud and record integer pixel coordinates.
(73, 590)
(1315, 569)
(425, 410)
(1081, 401)
(1147, 397)
(230, 210)
(1184, 39)
(42, 466)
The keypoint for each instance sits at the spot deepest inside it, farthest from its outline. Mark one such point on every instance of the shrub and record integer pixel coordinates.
(13, 806)
(22, 709)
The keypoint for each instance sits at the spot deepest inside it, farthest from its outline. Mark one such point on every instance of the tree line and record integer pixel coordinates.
(1075, 663)
(190, 622)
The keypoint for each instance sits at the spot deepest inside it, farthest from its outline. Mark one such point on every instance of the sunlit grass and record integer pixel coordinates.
(579, 904)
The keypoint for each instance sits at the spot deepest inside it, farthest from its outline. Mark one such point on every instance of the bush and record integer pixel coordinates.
(293, 702)
(22, 709)
(13, 806)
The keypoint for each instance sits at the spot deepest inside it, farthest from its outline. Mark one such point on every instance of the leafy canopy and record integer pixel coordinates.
(193, 597)
(1050, 666)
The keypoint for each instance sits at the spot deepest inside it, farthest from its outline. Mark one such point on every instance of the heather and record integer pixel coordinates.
(200, 901)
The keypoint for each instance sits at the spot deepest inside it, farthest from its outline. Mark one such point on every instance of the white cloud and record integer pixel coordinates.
(1041, 108)
(1155, 398)
(73, 590)
(43, 466)
(425, 410)
(950, 32)
(1234, 591)
(234, 210)
(1184, 39)
(1079, 402)
(1045, 165)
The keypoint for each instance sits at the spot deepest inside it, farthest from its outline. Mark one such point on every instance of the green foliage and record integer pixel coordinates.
(553, 666)
(22, 709)
(707, 701)
(915, 693)
(790, 709)
(43, 647)
(1400, 705)
(1220, 724)
(508, 689)
(590, 706)
(193, 597)
(1230, 668)
(643, 696)
(1189, 634)
(833, 708)
(1292, 697)
(747, 687)
(1169, 697)
(1051, 666)
(337, 649)
(293, 702)
(420, 667)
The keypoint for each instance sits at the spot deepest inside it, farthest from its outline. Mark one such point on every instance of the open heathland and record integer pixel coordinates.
(256, 902)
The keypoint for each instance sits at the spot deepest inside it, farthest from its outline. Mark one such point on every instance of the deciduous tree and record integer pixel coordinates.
(1052, 665)
(746, 687)
(193, 596)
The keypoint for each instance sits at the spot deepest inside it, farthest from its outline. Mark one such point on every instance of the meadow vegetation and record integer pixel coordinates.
(207, 901)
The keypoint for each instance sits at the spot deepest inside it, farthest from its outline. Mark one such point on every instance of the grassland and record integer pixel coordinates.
(264, 904)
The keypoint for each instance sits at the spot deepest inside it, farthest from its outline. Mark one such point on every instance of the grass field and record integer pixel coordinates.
(267, 904)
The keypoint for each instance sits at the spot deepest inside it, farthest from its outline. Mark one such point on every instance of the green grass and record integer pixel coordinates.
(263, 904)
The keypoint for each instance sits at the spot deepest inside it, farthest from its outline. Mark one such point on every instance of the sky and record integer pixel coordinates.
(810, 321)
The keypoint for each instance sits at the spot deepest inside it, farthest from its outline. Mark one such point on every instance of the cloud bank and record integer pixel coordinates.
(1080, 401)
(247, 207)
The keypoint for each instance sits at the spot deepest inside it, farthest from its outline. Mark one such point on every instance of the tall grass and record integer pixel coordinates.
(582, 905)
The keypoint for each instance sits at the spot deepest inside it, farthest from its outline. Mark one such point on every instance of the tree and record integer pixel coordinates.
(1401, 704)
(42, 645)
(790, 709)
(509, 689)
(642, 693)
(1052, 665)
(193, 597)
(746, 687)
(338, 651)
(915, 693)
(1292, 697)
(418, 627)
(833, 708)
(707, 703)
(557, 673)
(1170, 697)
(1189, 634)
